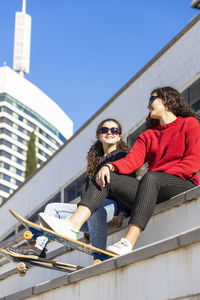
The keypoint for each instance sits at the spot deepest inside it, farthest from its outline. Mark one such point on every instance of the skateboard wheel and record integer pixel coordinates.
(28, 235)
(96, 261)
(21, 267)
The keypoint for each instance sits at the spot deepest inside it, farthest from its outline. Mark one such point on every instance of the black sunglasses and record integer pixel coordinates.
(113, 130)
(151, 99)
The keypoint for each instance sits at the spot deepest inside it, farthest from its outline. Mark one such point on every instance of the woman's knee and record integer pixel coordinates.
(98, 216)
(49, 208)
(150, 178)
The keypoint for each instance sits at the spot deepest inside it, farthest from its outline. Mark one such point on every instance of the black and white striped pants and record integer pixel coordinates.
(140, 197)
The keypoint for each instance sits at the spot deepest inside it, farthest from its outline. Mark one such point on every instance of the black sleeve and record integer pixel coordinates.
(115, 157)
(112, 158)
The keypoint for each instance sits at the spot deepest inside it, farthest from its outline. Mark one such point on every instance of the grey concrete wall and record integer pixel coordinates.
(165, 270)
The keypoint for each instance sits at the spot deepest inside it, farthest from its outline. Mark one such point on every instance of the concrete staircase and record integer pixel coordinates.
(165, 263)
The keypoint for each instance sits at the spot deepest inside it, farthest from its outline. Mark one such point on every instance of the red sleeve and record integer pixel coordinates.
(190, 163)
(134, 160)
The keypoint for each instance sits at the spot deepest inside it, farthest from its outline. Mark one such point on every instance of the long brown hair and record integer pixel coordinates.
(96, 150)
(175, 103)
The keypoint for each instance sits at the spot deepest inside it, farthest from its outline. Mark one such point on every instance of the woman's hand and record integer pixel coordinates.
(103, 176)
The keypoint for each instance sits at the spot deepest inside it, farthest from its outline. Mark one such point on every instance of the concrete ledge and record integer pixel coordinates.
(92, 270)
(51, 285)
(185, 239)
(193, 193)
(3, 262)
(190, 237)
(8, 273)
(177, 200)
(172, 202)
(19, 295)
(148, 252)
(188, 297)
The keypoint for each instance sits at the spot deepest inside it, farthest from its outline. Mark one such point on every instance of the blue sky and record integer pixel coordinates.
(83, 52)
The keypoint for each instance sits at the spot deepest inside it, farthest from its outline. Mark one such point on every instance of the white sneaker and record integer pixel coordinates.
(122, 247)
(61, 226)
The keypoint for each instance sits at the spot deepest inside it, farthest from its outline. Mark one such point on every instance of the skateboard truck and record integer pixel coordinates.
(30, 236)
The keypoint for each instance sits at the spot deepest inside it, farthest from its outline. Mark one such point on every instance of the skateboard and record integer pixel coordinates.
(35, 230)
(25, 261)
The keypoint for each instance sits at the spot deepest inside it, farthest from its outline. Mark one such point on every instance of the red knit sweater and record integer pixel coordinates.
(173, 148)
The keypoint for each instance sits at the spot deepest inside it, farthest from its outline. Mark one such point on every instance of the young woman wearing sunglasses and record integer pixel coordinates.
(108, 147)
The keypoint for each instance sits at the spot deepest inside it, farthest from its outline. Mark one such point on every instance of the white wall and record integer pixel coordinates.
(168, 276)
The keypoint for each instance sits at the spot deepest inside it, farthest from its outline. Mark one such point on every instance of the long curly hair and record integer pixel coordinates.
(96, 150)
(175, 103)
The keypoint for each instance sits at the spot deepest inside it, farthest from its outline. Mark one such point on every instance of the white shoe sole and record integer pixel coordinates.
(42, 221)
(50, 221)
(114, 250)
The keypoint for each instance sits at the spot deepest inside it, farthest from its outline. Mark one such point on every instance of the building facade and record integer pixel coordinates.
(23, 109)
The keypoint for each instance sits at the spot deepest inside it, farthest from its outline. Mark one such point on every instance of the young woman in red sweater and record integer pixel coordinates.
(172, 150)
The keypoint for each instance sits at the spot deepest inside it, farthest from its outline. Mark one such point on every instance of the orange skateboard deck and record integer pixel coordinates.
(51, 235)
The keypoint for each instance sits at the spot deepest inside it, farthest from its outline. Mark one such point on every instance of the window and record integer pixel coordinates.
(6, 177)
(56, 198)
(20, 118)
(192, 95)
(195, 94)
(5, 189)
(17, 182)
(20, 128)
(6, 109)
(21, 140)
(31, 113)
(40, 162)
(49, 137)
(31, 124)
(7, 121)
(46, 145)
(131, 139)
(6, 143)
(21, 151)
(43, 153)
(74, 189)
(20, 161)
(11, 168)
(6, 154)
(6, 131)
(14, 125)
(6, 166)
(19, 172)
(2, 199)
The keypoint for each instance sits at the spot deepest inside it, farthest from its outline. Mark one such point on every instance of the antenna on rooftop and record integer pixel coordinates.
(22, 42)
(24, 6)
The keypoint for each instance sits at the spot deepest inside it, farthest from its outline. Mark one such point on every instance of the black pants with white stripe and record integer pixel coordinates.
(140, 197)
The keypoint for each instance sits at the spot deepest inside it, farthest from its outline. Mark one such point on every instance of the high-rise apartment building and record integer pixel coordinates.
(25, 108)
